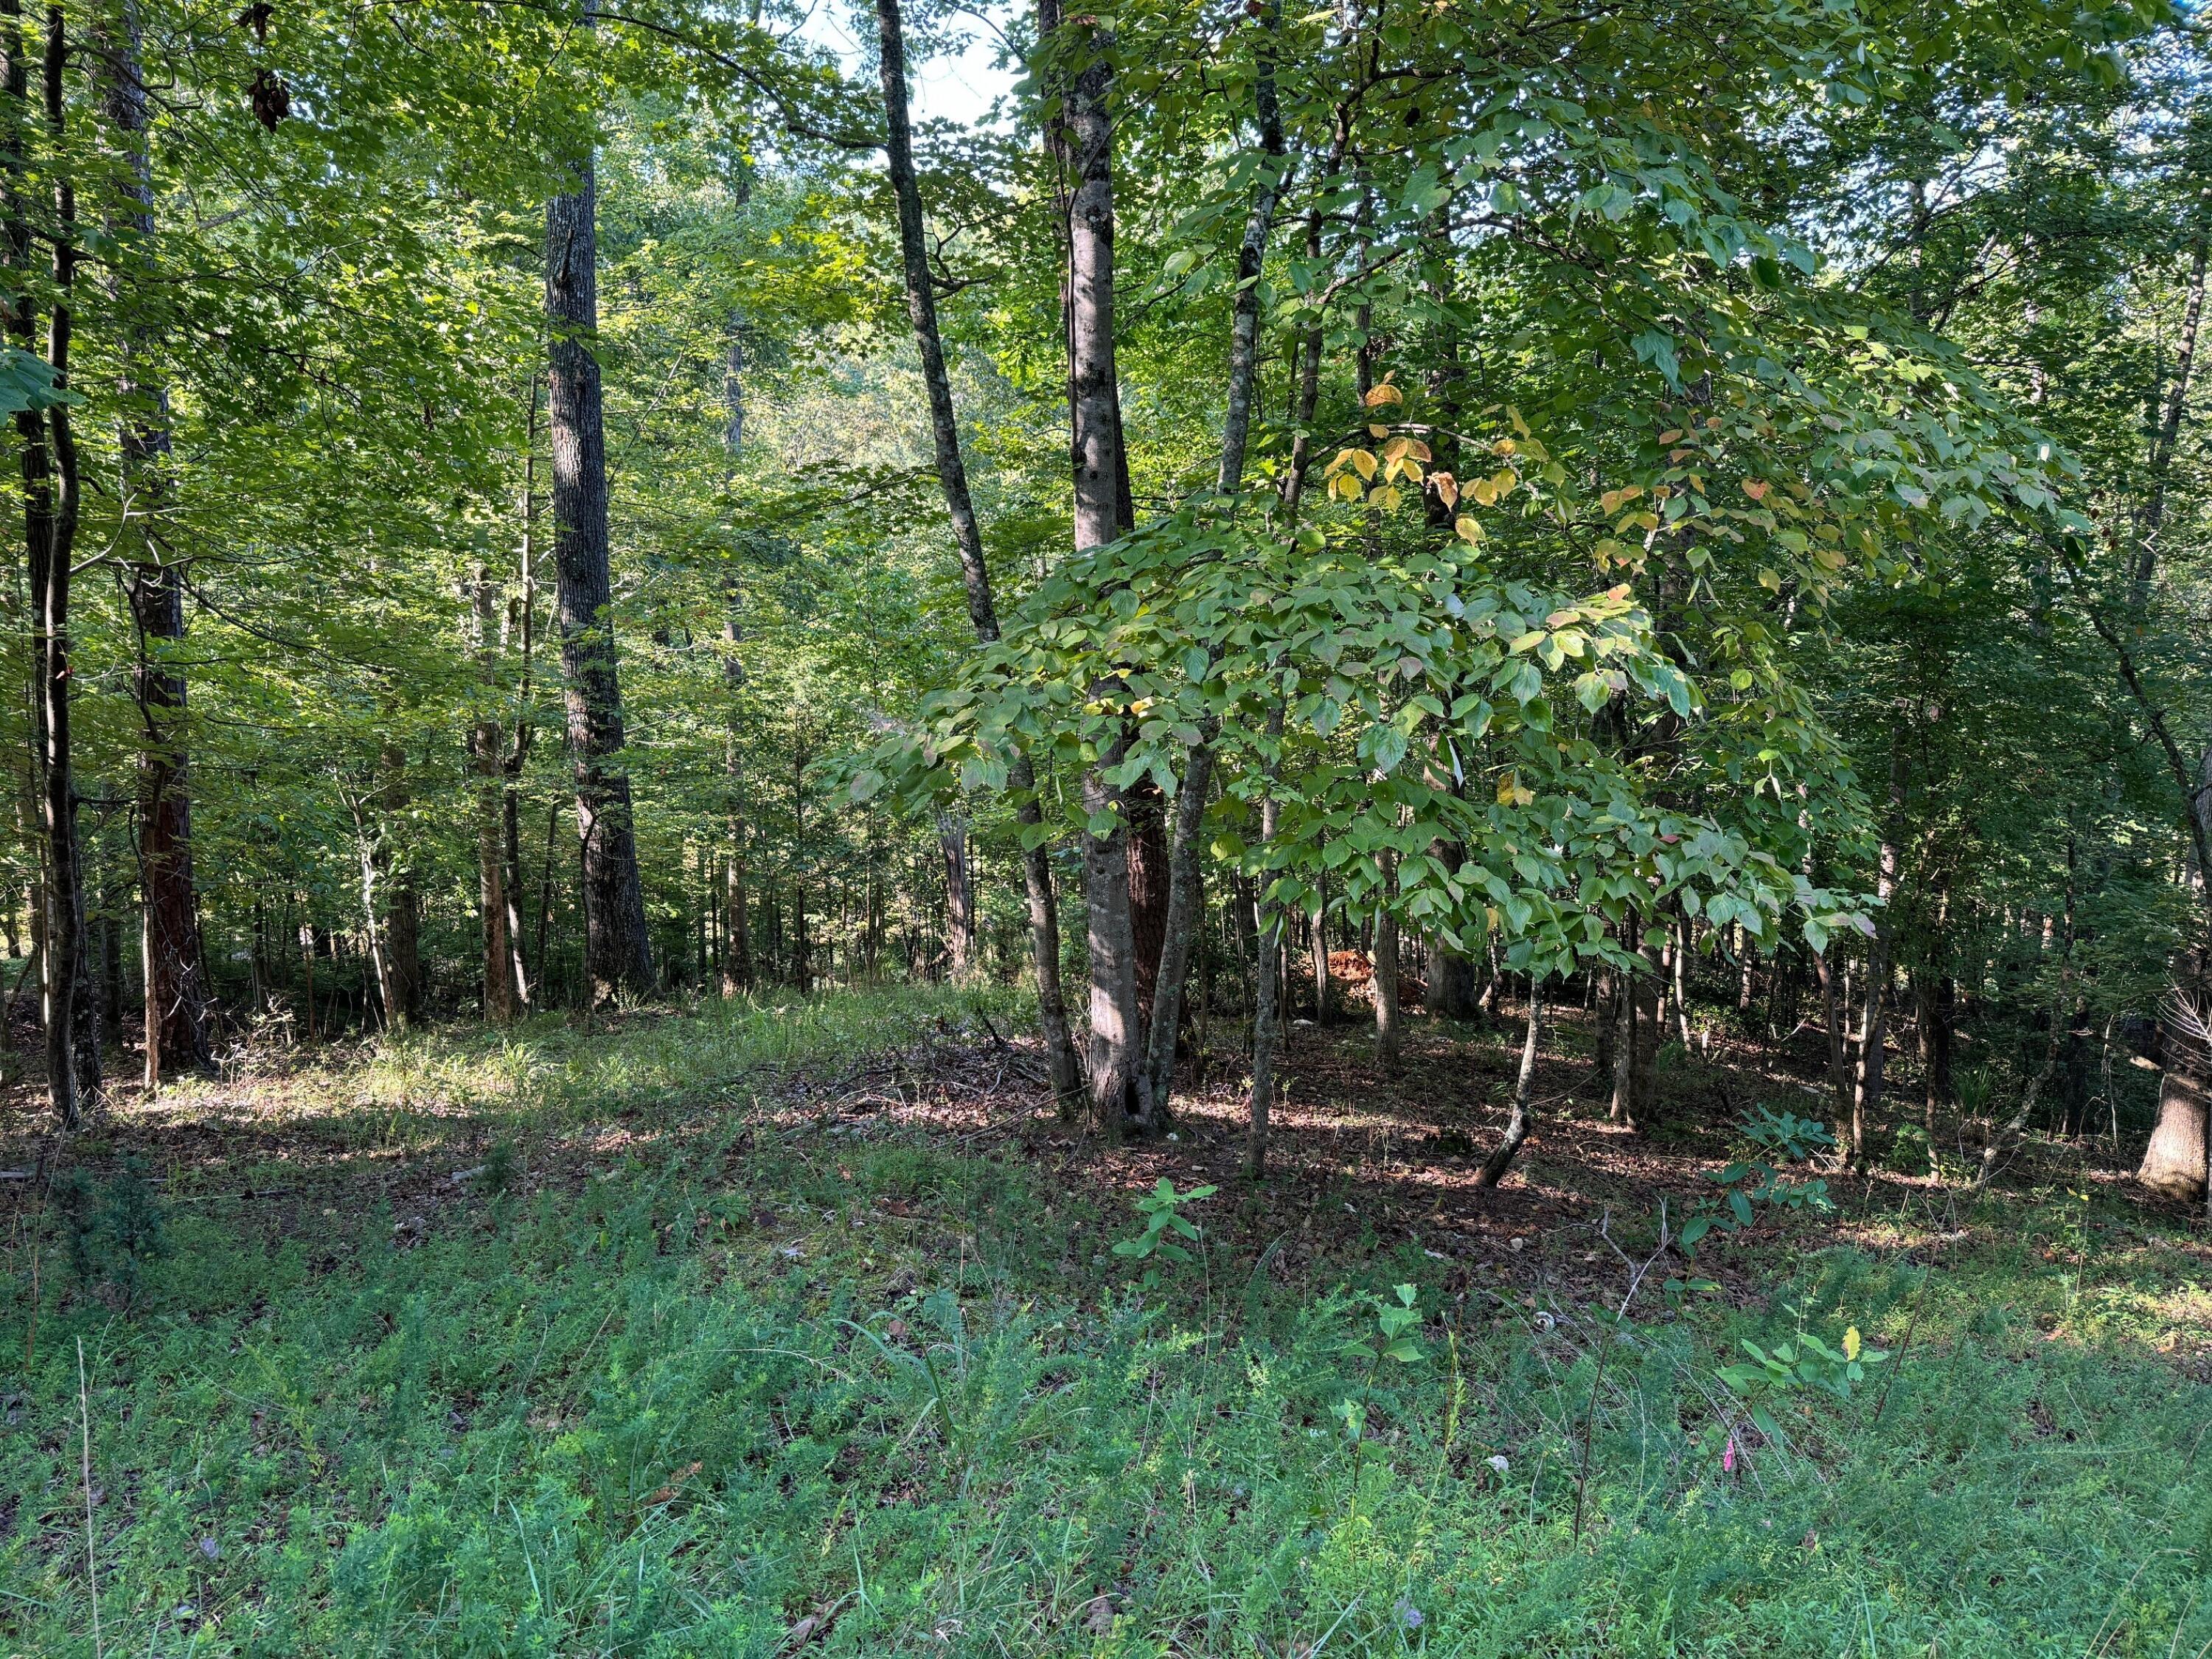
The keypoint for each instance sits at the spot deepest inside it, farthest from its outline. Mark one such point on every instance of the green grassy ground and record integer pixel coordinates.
(730, 1381)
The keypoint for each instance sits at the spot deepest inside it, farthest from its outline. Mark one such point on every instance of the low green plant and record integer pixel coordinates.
(1388, 1337)
(1755, 1181)
(1974, 1089)
(1164, 1222)
(1802, 1364)
(113, 1230)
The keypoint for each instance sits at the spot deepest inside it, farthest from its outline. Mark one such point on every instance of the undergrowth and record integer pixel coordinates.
(747, 1393)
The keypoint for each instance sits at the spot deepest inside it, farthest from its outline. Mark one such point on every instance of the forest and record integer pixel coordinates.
(951, 829)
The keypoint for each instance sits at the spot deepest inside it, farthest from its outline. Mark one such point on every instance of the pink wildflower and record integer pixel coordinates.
(1728, 1456)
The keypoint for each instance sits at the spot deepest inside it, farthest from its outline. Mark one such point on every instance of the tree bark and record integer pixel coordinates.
(51, 492)
(495, 911)
(1384, 960)
(1060, 1058)
(1266, 1013)
(2174, 1164)
(1523, 1116)
(618, 950)
(1831, 1013)
(1623, 1107)
(2151, 519)
(1866, 1093)
(959, 899)
(400, 965)
(1186, 901)
(176, 997)
(1119, 1087)
(1151, 880)
(1251, 262)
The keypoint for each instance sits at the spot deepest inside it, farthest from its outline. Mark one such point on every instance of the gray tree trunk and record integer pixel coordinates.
(618, 950)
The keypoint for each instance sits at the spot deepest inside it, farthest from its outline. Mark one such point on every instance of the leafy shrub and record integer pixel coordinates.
(112, 1231)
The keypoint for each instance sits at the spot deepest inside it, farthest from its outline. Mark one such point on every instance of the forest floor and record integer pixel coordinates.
(796, 1324)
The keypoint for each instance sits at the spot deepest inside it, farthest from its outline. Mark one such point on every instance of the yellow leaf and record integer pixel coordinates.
(1345, 486)
(1385, 393)
(1417, 449)
(1469, 531)
(1411, 468)
(1503, 481)
(1508, 788)
(1755, 488)
(1386, 498)
(1363, 463)
(1671, 437)
(1851, 1343)
(1373, 430)
(1343, 459)
(1447, 488)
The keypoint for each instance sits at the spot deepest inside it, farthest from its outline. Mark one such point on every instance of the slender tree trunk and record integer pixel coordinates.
(1935, 1002)
(1185, 906)
(959, 899)
(1251, 263)
(1267, 1012)
(1384, 959)
(1643, 1078)
(1606, 1016)
(1623, 1109)
(399, 969)
(2150, 518)
(1119, 1087)
(1317, 948)
(1831, 1013)
(617, 949)
(1866, 1095)
(1523, 1116)
(495, 907)
(976, 575)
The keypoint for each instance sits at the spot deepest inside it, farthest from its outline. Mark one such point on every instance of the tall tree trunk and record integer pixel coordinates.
(975, 574)
(486, 744)
(176, 997)
(2150, 518)
(1251, 262)
(1623, 1107)
(737, 938)
(618, 950)
(1115, 1065)
(1523, 1116)
(50, 491)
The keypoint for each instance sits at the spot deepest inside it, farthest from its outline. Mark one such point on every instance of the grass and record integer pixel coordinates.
(742, 1388)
